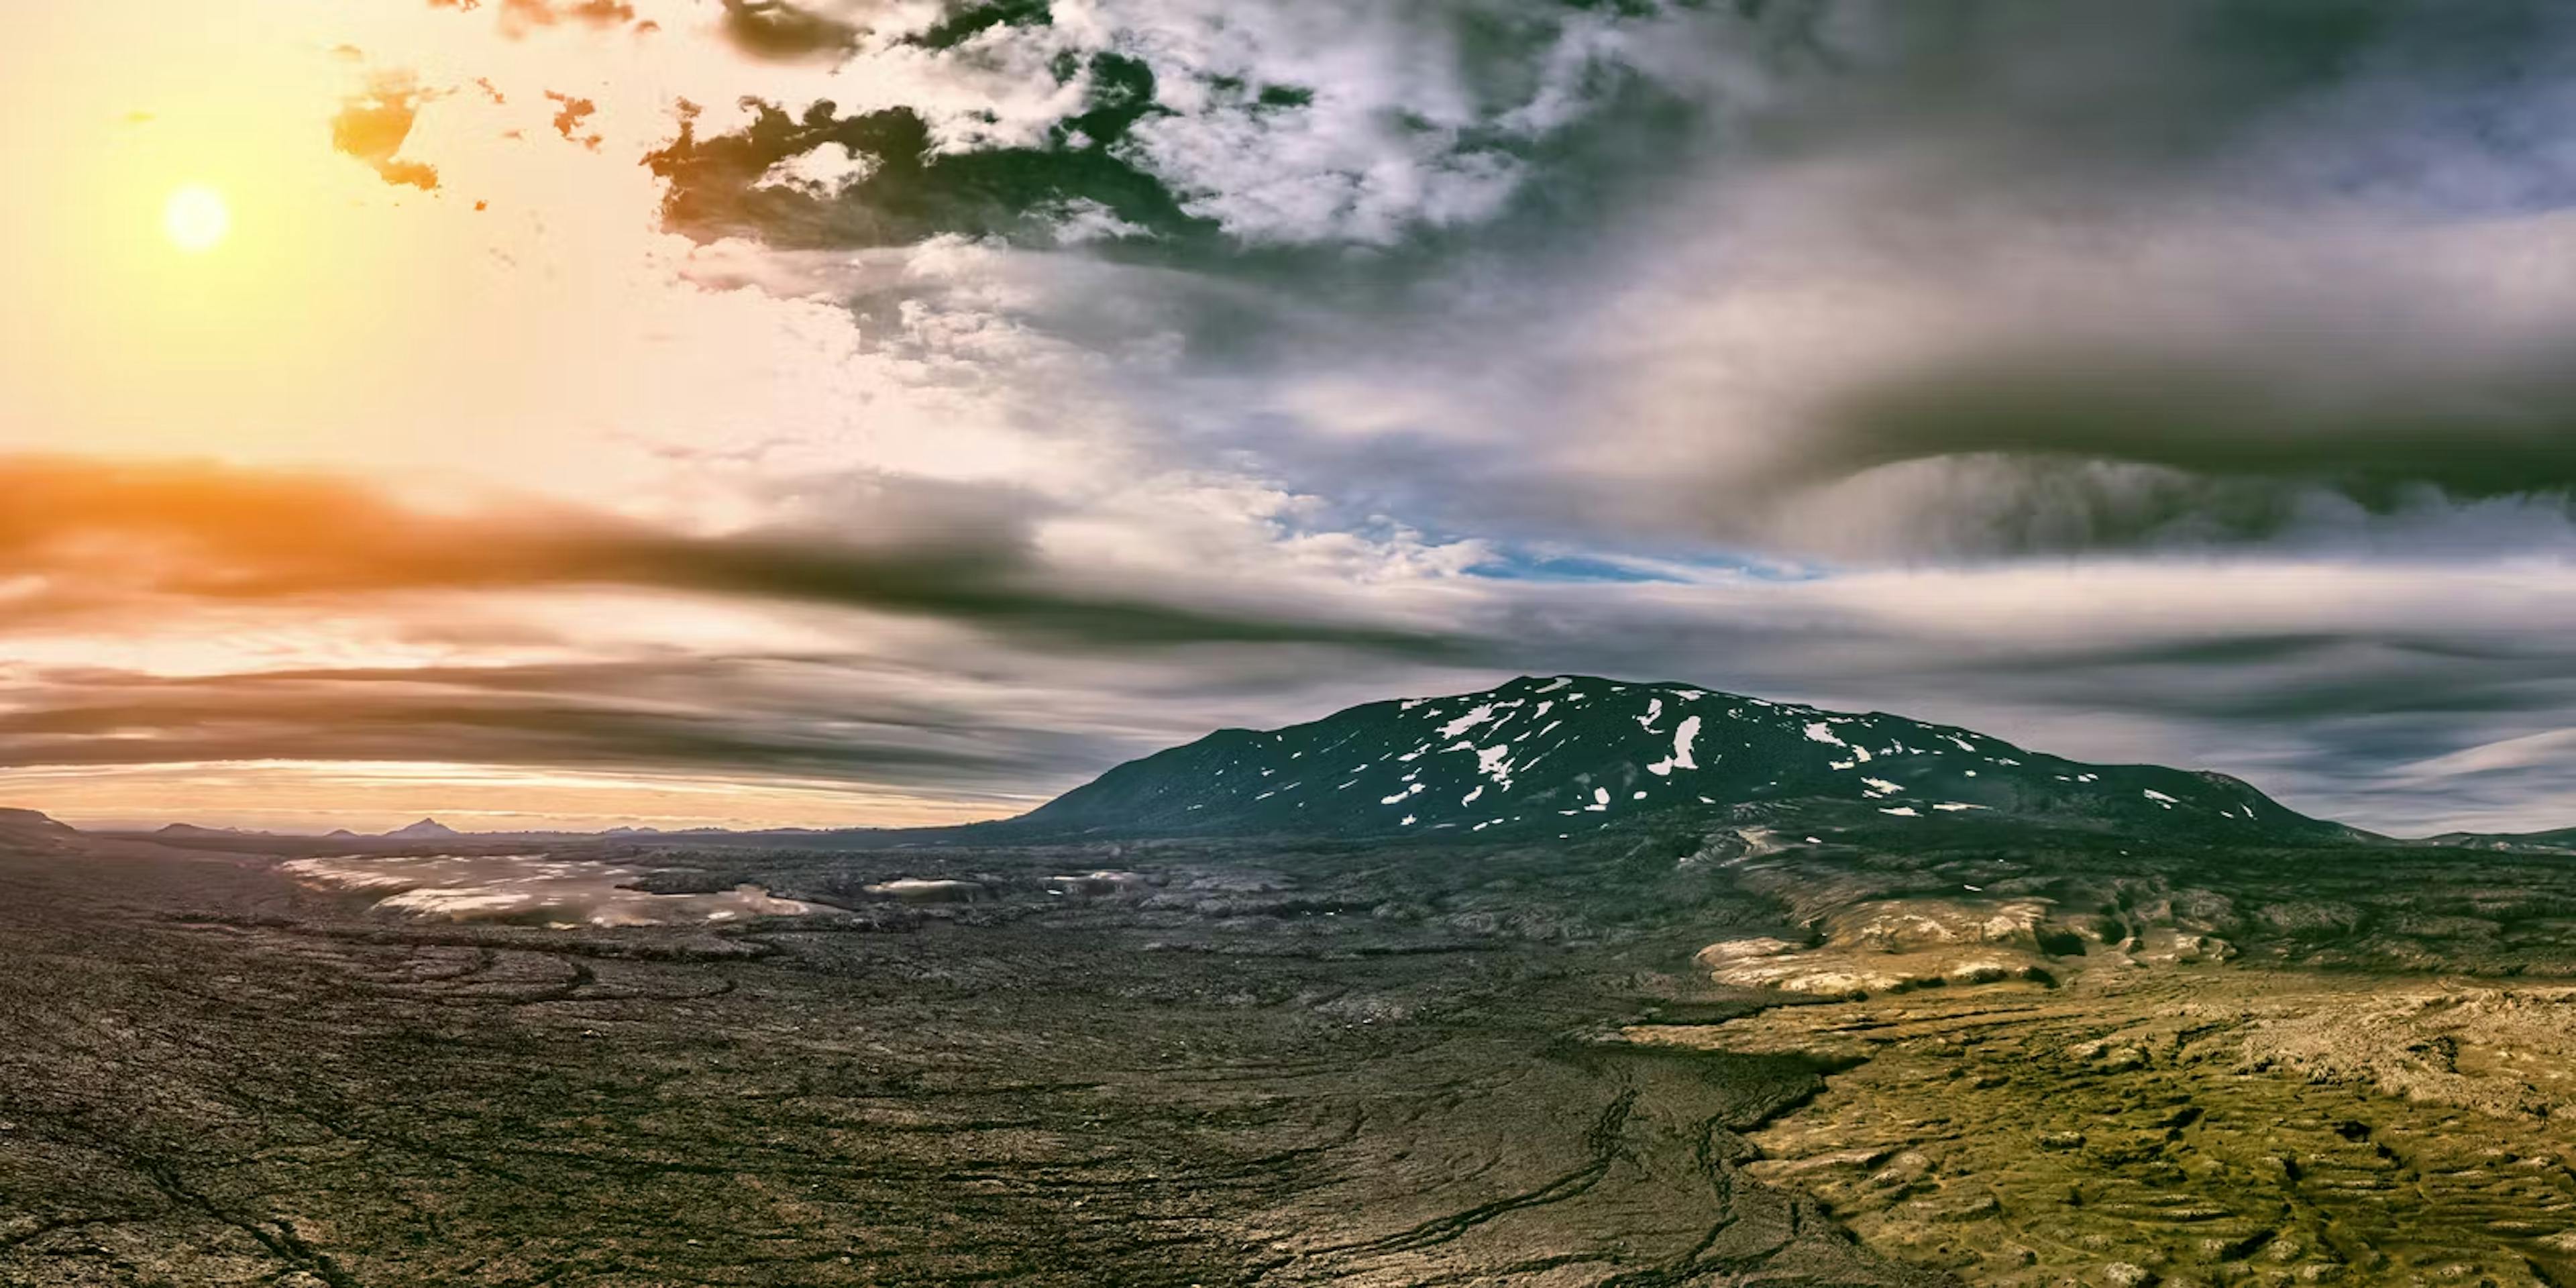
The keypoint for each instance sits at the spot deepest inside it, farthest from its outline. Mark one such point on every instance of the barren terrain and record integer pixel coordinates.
(2003, 1060)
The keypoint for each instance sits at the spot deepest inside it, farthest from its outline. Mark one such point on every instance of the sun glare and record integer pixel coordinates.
(196, 218)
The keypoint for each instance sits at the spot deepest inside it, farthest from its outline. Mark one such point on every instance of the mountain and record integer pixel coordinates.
(428, 829)
(177, 832)
(1556, 754)
(26, 826)
(2558, 841)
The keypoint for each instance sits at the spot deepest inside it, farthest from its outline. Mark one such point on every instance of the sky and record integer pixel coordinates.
(573, 413)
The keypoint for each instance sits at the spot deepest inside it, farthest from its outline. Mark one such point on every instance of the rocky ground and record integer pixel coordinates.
(1660, 1059)
(2212, 1126)
(216, 1076)
(2063, 1080)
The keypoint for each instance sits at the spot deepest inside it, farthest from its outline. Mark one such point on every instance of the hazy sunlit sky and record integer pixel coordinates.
(578, 412)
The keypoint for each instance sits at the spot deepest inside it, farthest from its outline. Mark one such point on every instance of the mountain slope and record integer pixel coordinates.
(1557, 754)
(27, 827)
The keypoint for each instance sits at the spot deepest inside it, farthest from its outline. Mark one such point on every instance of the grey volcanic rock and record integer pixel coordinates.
(1569, 754)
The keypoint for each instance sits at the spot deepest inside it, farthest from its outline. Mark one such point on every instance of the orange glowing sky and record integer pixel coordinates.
(520, 335)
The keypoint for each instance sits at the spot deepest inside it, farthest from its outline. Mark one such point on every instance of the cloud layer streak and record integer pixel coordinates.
(91, 535)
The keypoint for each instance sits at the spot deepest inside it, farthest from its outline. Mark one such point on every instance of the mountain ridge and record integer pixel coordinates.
(2561, 840)
(1567, 753)
(28, 823)
(1560, 755)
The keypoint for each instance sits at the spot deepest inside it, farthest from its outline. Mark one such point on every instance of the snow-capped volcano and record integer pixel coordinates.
(1563, 753)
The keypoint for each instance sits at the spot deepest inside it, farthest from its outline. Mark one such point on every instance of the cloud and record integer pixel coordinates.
(1882, 296)
(1978, 278)
(1848, 279)
(574, 111)
(2238, 381)
(1276, 125)
(2030, 278)
(2348, 688)
(1983, 281)
(373, 125)
(520, 16)
(101, 535)
(777, 29)
(901, 192)
(746, 716)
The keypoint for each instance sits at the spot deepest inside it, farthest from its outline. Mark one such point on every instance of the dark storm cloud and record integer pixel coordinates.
(2034, 93)
(778, 716)
(100, 534)
(2290, 262)
(2268, 253)
(2072, 192)
(2080, 99)
(1181, 112)
(2251, 675)
(2371, 431)
(912, 192)
(2232, 244)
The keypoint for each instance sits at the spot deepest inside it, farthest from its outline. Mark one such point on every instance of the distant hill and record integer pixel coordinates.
(425, 834)
(2559, 841)
(428, 829)
(1554, 755)
(26, 826)
(190, 831)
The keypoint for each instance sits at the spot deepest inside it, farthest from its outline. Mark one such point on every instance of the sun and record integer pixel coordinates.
(196, 219)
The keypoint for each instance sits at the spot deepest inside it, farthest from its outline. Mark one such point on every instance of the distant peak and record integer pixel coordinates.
(426, 827)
